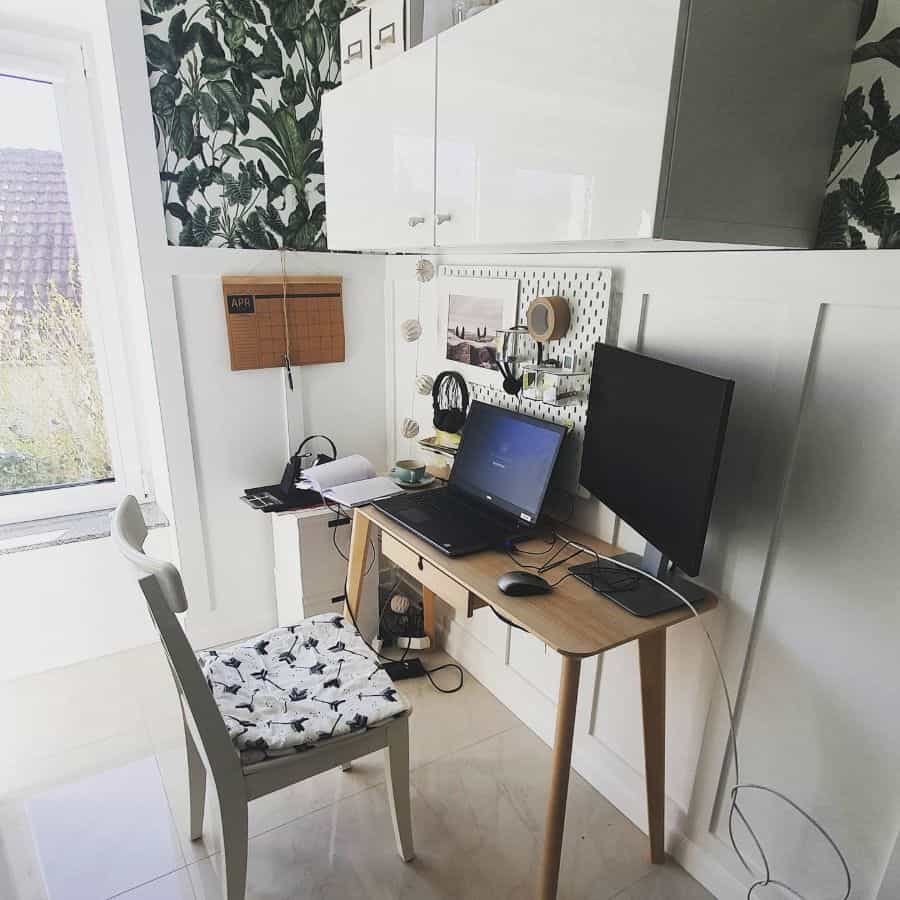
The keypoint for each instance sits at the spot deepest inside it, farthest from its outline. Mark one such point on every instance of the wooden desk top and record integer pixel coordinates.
(573, 619)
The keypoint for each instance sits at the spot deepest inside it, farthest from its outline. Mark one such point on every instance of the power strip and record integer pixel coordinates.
(414, 643)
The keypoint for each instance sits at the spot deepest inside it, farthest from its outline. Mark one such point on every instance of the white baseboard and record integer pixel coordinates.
(599, 766)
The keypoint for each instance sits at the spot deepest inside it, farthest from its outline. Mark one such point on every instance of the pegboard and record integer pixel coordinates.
(255, 311)
(589, 292)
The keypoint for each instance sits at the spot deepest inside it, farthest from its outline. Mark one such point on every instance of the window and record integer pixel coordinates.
(65, 424)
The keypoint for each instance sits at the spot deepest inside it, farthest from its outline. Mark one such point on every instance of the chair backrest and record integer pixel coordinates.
(129, 533)
(164, 592)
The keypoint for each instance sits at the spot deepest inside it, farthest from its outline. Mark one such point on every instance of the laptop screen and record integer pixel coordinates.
(506, 459)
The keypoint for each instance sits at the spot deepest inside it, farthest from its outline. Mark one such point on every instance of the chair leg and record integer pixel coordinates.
(396, 765)
(196, 785)
(234, 843)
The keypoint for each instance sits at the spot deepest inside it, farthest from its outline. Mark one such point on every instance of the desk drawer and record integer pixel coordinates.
(445, 587)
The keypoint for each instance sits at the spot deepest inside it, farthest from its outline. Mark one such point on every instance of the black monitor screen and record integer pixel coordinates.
(507, 459)
(652, 446)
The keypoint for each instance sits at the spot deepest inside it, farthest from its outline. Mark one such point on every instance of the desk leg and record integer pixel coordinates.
(428, 614)
(652, 650)
(356, 567)
(559, 776)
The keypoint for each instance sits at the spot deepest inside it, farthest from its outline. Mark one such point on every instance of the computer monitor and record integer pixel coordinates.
(506, 459)
(652, 446)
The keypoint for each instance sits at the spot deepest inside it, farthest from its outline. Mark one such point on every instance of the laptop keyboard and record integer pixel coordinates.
(446, 513)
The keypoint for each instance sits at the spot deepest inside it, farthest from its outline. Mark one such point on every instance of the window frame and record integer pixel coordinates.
(61, 63)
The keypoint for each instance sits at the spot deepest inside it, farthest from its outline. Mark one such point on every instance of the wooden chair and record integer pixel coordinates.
(211, 749)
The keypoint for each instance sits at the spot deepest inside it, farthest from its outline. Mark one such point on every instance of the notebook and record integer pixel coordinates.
(350, 481)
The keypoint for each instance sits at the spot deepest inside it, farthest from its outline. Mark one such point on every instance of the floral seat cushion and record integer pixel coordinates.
(289, 689)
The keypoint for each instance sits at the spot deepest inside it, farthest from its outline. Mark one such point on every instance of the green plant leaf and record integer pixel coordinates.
(854, 125)
(307, 124)
(160, 55)
(209, 43)
(313, 40)
(293, 90)
(888, 143)
(181, 41)
(180, 212)
(867, 17)
(243, 9)
(148, 20)
(253, 235)
(225, 94)
(188, 182)
(881, 108)
(833, 226)
(235, 32)
(231, 151)
(209, 111)
(857, 241)
(331, 12)
(214, 66)
(203, 226)
(270, 148)
(870, 202)
(164, 95)
(288, 14)
(890, 234)
(276, 188)
(268, 63)
(888, 49)
(183, 129)
(166, 5)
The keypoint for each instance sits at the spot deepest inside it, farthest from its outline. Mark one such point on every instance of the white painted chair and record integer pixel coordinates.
(210, 747)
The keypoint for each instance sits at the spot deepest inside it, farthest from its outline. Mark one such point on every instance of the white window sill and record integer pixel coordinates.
(58, 530)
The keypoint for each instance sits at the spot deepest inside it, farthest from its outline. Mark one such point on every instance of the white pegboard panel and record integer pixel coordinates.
(589, 292)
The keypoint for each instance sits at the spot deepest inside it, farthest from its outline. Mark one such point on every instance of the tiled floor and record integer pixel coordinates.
(93, 804)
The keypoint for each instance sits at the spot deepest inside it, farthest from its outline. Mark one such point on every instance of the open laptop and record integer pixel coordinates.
(496, 487)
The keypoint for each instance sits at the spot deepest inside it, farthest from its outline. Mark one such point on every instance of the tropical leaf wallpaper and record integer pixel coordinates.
(236, 90)
(863, 192)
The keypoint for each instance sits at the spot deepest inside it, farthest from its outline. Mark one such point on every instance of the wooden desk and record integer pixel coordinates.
(573, 620)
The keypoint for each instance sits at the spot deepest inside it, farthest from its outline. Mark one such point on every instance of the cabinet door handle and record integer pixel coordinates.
(416, 220)
(440, 218)
(386, 35)
(354, 51)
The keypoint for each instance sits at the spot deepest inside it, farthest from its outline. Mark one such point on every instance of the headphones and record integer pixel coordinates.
(511, 384)
(318, 458)
(294, 467)
(450, 400)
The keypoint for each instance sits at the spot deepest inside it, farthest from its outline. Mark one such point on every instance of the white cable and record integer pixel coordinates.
(763, 879)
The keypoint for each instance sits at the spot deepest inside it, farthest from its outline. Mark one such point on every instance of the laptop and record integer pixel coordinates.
(496, 488)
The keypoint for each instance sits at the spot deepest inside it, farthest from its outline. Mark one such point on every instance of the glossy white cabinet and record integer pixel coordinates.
(379, 158)
(594, 122)
(550, 121)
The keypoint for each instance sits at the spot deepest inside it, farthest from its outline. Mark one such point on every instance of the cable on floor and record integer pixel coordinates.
(765, 878)
(379, 655)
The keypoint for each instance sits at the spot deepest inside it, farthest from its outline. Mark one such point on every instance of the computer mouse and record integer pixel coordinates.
(522, 584)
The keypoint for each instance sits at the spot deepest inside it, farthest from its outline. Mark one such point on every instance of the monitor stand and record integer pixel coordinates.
(640, 595)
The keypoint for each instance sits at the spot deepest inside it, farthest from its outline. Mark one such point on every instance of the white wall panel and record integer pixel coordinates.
(238, 420)
(805, 518)
(820, 711)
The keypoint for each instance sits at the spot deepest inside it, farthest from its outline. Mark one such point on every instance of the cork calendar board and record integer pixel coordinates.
(255, 313)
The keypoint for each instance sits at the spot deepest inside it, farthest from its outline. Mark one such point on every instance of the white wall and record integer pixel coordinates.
(208, 433)
(225, 431)
(800, 548)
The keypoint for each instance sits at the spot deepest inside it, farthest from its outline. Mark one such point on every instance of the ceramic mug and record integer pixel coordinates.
(409, 471)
